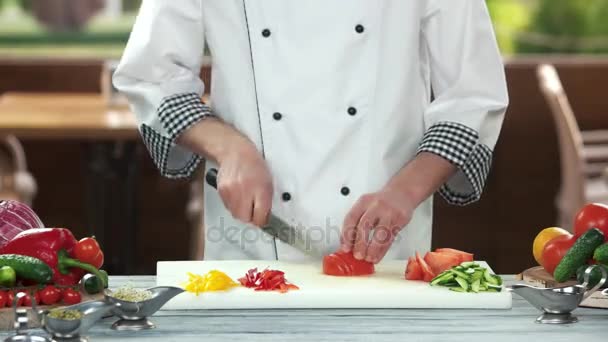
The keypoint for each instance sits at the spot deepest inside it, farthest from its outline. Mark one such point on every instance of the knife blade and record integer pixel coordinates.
(278, 228)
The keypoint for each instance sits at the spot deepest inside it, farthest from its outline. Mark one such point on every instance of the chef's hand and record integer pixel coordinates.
(244, 180)
(374, 222)
(245, 185)
(376, 219)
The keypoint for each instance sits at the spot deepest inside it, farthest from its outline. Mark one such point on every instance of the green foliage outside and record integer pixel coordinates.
(567, 26)
(521, 26)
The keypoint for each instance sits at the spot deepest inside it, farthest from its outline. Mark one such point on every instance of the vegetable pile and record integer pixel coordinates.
(267, 280)
(468, 277)
(434, 263)
(566, 255)
(47, 264)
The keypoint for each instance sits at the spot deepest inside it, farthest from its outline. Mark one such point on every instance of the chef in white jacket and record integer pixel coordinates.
(340, 117)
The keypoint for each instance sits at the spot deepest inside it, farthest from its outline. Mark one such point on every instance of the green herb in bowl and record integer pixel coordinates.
(66, 315)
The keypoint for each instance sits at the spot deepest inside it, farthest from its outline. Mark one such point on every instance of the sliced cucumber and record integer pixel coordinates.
(469, 277)
(460, 274)
(476, 285)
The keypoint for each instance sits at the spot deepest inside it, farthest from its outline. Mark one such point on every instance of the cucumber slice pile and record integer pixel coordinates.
(469, 277)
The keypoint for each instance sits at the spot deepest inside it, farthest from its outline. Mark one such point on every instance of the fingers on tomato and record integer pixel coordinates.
(344, 264)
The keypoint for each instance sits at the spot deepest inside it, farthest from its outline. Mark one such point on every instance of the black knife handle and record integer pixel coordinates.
(211, 177)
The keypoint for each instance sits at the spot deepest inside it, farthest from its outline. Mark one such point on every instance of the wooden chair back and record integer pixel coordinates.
(572, 190)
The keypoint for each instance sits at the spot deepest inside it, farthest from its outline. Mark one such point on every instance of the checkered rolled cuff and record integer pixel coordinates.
(176, 114)
(460, 145)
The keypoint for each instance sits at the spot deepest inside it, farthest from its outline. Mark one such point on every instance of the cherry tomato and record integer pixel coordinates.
(88, 251)
(11, 297)
(345, 264)
(50, 295)
(3, 298)
(594, 215)
(71, 296)
(555, 250)
(27, 300)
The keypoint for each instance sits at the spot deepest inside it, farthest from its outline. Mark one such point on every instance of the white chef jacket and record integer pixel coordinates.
(337, 95)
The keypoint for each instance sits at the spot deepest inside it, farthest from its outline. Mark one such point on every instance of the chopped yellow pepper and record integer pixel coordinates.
(214, 280)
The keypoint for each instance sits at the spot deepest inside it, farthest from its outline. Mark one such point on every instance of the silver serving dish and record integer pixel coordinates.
(558, 303)
(59, 330)
(134, 315)
(75, 330)
(21, 324)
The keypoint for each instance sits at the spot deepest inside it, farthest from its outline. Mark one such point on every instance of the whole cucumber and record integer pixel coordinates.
(578, 254)
(601, 254)
(28, 267)
(92, 285)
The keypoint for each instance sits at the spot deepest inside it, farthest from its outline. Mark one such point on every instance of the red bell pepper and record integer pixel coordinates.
(54, 246)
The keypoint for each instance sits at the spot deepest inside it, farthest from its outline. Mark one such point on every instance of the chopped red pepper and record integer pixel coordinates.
(267, 280)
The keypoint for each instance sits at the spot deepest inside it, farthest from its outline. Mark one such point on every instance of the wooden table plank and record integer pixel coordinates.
(65, 116)
(355, 325)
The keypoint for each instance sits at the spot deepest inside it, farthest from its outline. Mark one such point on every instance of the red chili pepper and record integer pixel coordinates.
(54, 246)
(87, 250)
(267, 280)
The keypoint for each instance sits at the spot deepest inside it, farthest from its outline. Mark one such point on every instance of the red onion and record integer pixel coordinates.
(16, 217)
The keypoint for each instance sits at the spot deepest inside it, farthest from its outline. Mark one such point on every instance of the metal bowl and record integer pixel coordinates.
(134, 315)
(92, 312)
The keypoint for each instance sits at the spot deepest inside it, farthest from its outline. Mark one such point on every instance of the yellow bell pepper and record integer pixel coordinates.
(213, 280)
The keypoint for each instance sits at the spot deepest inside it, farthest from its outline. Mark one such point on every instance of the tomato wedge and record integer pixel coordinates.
(440, 262)
(464, 256)
(345, 265)
(427, 272)
(413, 270)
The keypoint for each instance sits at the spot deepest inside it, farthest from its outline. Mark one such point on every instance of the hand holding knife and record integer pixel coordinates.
(277, 227)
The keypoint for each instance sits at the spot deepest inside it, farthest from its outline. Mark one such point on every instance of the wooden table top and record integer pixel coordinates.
(65, 116)
(354, 324)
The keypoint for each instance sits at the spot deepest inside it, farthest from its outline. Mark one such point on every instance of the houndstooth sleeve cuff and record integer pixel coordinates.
(460, 145)
(176, 113)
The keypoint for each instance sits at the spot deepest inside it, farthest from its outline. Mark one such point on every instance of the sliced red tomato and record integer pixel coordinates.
(439, 262)
(464, 256)
(345, 265)
(427, 272)
(413, 270)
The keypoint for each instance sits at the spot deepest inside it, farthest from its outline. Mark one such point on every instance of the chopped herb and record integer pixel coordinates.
(130, 294)
(68, 315)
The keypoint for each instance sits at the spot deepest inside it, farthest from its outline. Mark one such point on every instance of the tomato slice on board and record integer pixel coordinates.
(427, 272)
(345, 265)
(464, 256)
(439, 262)
(413, 271)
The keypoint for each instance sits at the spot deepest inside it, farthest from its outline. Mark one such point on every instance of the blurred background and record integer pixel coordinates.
(78, 142)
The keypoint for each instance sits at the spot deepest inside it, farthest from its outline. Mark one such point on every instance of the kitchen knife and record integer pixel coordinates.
(278, 228)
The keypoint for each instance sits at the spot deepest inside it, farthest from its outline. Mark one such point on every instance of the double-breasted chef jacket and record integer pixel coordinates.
(337, 95)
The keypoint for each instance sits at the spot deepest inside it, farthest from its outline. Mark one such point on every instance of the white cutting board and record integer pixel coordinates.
(387, 288)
